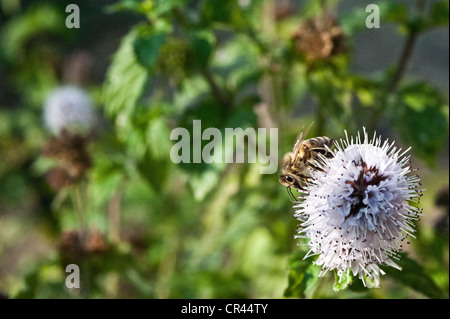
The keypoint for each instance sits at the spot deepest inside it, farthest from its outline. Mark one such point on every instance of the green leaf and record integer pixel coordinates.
(414, 276)
(247, 78)
(303, 276)
(164, 6)
(124, 84)
(366, 90)
(148, 47)
(152, 8)
(36, 21)
(390, 11)
(201, 48)
(105, 176)
(343, 282)
(332, 91)
(202, 183)
(244, 116)
(393, 11)
(124, 5)
(312, 9)
(439, 13)
(158, 139)
(419, 116)
(223, 11)
(354, 21)
(154, 171)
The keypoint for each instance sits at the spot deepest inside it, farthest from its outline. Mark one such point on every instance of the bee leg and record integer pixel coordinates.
(292, 196)
(329, 155)
(305, 177)
(323, 151)
(314, 167)
(305, 180)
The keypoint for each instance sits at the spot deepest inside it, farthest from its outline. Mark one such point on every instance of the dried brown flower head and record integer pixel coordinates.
(58, 178)
(70, 150)
(75, 245)
(284, 9)
(319, 38)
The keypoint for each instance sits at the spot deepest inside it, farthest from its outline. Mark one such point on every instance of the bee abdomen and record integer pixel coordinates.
(321, 145)
(325, 139)
(320, 141)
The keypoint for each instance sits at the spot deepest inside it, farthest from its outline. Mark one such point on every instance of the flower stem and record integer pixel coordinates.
(79, 209)
(78, 202)
(403, 62)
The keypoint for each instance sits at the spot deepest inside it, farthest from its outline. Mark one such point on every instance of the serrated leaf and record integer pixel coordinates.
(413, 275)
(124, 83)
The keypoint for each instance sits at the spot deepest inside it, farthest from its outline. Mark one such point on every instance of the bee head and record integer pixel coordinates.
(289, 180)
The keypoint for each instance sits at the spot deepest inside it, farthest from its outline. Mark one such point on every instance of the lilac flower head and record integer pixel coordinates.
(358, 209)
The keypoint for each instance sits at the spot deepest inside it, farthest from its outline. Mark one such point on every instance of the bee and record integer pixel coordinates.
(294, 168)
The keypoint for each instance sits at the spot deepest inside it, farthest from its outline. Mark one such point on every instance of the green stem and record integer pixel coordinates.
(403, 62)
(79, 209)
(78, 202)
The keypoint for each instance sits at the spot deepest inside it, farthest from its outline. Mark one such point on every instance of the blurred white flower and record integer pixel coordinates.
(69, 108)
(244, 3)
(357, 212)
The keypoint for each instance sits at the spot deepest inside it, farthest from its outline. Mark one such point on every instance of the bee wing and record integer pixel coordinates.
(299, 140)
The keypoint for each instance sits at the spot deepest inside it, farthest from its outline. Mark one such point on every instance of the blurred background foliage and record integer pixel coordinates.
(140, 226)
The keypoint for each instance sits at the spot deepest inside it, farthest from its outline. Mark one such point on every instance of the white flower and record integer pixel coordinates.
(357, 211)
(244, 3)
(69, 108)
